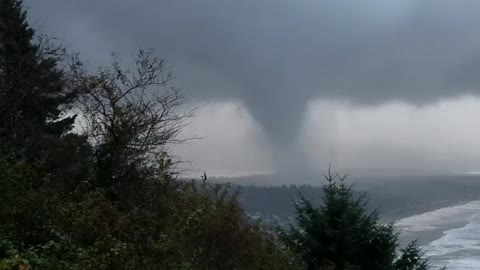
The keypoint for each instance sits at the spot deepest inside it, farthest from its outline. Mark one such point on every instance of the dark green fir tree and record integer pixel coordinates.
(342, 234)
(34, 92)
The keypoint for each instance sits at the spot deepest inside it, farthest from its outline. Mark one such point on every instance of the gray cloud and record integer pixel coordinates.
(441, 136)
(276, 55)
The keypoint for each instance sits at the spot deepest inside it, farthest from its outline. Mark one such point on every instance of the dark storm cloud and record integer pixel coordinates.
(279, 54)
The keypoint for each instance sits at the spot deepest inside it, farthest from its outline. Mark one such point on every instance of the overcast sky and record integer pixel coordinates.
(299, 84)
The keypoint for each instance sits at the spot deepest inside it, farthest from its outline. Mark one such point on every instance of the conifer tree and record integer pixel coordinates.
(33, 88)
(342, 234)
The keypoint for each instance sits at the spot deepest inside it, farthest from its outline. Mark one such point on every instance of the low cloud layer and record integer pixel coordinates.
(226, 141)
(439, 137)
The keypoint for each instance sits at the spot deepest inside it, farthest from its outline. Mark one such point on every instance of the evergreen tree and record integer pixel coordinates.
(33, 92)
(342, 234)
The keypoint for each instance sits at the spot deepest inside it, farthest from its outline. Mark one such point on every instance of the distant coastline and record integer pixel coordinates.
(431, 225)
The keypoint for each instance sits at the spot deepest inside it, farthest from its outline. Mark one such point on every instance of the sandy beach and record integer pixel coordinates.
(431, 225)
(449, 235)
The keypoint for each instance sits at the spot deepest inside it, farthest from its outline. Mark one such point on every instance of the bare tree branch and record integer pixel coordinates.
(134, 111)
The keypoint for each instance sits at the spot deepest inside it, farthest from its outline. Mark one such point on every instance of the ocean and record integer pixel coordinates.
(450, 236)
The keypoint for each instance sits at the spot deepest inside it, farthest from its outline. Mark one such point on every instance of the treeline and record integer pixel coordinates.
(87, 181)
(400, 197)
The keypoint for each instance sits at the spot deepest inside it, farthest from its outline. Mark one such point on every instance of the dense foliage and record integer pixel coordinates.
(341, 233)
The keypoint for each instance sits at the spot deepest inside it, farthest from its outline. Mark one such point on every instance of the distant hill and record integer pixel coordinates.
(314, 179)
(394, 196)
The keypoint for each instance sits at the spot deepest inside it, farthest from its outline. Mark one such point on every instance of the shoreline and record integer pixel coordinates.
(424, 238)
(429, 226)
